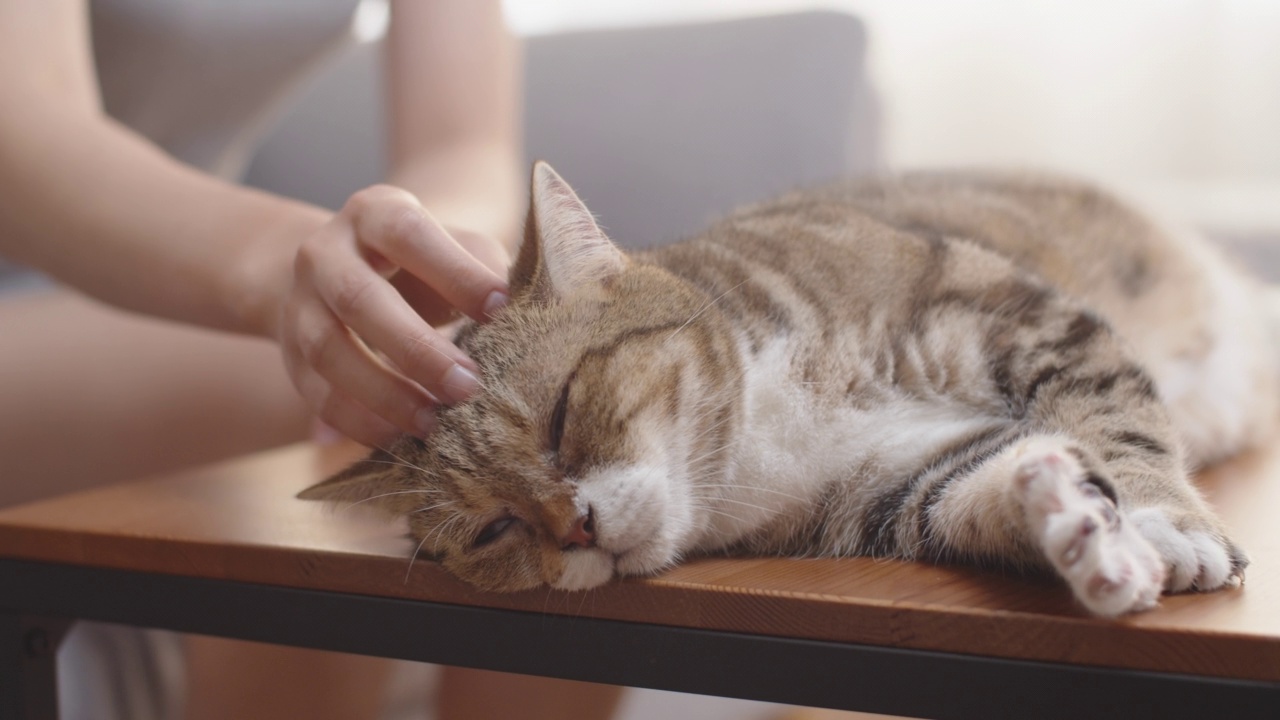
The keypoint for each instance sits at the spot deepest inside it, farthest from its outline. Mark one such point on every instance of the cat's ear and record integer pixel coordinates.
(367, 481)
(564, 250)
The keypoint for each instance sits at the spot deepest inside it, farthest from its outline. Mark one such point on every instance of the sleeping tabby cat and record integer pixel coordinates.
(984, 368)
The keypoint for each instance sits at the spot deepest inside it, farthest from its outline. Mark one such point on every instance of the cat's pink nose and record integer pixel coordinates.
(582, 534)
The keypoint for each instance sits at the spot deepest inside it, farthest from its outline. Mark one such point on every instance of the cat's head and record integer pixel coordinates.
(608, 392)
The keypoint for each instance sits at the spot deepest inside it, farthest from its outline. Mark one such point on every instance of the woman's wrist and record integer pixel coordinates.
(261, 272)
(477, 188)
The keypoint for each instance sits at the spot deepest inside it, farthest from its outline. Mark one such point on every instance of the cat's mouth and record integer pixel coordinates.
(589, 567)
(586, 568)
(647, 558)
(633, 562)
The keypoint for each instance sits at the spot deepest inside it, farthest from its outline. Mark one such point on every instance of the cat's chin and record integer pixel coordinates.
(647, 559)
(584, 569)
(590, 568)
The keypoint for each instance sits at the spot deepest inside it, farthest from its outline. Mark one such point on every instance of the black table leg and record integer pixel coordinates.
(28, 670)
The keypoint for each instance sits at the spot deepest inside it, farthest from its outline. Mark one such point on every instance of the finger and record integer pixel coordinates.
(322, 433)
(326, 346)
(344, 414)
(490, 253)
(428, 303)
(371, 307)
(392, 222)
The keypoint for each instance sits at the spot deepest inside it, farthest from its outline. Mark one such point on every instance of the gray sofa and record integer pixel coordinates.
(660, 129)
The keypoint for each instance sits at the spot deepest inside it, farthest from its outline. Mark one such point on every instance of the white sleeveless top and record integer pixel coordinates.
(203, 79)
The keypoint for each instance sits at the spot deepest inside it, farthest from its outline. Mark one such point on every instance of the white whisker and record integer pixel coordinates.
(412, 558)
(727, 446)
(749, 489)
(433, 507)
(704, 309)
(401, 464)
(448, 524)
(398, 492)
(397, 457)
(716, 511)
(712, 428)
(736, 502)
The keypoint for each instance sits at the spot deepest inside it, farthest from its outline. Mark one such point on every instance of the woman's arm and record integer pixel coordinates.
(99, 207)
(102, 209)
(454, 100)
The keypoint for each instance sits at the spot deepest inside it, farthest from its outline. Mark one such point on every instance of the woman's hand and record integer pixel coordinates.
(359, 348)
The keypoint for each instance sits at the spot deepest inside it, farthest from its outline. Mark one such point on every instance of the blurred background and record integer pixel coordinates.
(666, 113)
(1177, 101)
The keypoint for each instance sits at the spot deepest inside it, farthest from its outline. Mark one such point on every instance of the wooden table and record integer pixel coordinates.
(227, 550)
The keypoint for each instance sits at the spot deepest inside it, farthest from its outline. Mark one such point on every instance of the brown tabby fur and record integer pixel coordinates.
(746, 364)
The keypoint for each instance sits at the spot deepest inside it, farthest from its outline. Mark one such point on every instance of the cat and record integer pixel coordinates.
(1000, 369)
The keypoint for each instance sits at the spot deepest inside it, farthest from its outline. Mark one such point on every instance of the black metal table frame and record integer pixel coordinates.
(39, 600)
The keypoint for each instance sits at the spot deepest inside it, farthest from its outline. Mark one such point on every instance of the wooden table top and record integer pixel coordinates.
(239, 521)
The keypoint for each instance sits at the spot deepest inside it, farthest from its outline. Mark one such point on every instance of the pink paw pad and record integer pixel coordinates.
(1110, 567)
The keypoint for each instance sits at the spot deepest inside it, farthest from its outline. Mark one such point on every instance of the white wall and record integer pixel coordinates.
(1175, 100)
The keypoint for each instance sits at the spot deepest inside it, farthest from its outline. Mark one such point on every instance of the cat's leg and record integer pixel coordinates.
(1217, 364)
(1058, 371)
(1036, 503)
(1071, 514)
(1122, 439)
(1044, 500)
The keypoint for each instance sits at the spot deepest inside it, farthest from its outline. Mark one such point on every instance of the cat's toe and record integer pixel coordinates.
(1110, 567)
(1122, 585)
(1215, 564)
(1121, 574)
(1107, 574)
(1195, 559)
(1175, 548)
(1239, 561)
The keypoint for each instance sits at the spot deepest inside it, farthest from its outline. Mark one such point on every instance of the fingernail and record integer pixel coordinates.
(495, 302)
(425, 419)
(460, 383)
(323, 434)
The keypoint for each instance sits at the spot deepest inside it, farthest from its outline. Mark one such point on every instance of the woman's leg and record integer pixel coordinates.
(92, 395)
(233, 679)
(467, 694)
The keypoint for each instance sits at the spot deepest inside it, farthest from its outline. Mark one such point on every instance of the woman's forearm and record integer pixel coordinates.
(476, 187)
(454, 110)
(93, 204)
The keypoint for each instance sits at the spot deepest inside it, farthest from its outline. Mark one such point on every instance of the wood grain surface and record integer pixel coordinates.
(240, 521)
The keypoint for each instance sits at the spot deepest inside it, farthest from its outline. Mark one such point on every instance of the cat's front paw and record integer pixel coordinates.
(1111, 568)
(1196, 557)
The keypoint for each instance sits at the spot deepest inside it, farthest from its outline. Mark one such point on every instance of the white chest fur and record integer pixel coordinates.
(792, 445)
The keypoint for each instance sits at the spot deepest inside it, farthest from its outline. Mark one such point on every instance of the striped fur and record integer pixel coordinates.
(996, 369)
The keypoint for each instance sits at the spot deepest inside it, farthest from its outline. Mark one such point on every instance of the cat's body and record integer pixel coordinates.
(943, 367)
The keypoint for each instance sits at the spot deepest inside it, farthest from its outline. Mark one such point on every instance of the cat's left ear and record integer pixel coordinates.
(564, 250)
(368, 482)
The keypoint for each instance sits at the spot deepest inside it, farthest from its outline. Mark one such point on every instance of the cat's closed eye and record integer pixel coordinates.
(493, 531)
(557, 418)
